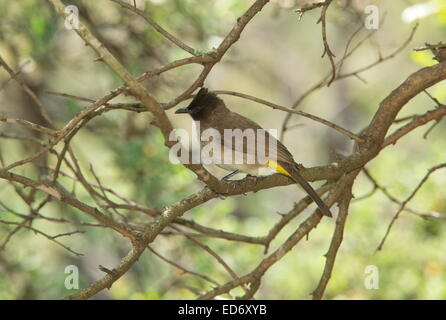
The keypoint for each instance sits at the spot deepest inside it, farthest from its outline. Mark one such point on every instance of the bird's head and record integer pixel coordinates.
(203, 104)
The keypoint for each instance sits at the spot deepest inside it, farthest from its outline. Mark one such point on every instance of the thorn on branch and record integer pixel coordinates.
(107, 271)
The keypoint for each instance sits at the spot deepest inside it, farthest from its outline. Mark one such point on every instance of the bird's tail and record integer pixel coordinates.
(291, 170)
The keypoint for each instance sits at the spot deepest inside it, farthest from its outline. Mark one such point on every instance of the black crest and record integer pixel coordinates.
(204, 99)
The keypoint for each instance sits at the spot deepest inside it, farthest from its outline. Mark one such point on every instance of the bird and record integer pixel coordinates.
(209, 111)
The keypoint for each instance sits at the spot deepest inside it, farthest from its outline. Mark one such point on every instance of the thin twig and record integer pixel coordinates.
(346, 132)
(403, 204)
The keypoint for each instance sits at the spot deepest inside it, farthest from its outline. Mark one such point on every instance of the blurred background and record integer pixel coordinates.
(278, 58)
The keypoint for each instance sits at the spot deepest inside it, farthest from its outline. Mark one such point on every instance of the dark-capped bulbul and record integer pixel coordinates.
(211, 112)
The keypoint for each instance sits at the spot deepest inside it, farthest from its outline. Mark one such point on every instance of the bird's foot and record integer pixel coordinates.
(250, 177)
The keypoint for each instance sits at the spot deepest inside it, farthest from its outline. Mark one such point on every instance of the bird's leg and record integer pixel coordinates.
(233, 173)
(249, 177)
(230, 182)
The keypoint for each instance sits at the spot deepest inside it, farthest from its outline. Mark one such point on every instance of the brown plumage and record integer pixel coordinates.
(211, 112)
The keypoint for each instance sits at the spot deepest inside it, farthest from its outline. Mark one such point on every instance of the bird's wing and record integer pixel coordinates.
(271, 147)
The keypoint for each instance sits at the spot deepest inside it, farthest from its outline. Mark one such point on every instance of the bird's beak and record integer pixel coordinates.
(183, 110)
